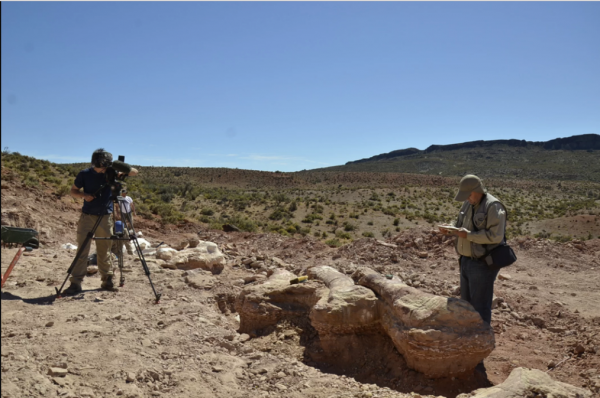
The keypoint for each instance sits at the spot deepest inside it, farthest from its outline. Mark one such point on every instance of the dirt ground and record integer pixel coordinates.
(102, 344)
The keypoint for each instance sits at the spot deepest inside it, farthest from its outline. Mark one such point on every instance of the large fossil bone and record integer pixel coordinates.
(437, 336)
(265, 304)
(347, 308)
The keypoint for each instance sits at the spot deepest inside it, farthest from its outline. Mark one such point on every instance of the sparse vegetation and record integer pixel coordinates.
(319, 203)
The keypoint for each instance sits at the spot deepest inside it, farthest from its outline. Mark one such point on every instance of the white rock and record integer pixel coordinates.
(144, 244)
(504, 277)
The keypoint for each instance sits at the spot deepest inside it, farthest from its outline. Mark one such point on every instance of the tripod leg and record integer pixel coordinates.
(138, 249)
(80, 250)
(122, 276)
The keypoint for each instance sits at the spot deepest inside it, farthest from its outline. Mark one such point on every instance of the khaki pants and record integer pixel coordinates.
(104, 230)
(118, 245)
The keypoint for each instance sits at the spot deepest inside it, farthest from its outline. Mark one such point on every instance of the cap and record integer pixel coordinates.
(469, 183)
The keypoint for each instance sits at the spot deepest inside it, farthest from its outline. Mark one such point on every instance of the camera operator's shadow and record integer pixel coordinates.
(47, 300)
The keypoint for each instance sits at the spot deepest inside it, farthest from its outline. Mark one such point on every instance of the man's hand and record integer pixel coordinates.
(462, 233)
(76, 193)
(447, 229)
(444, 230)
(451, 230)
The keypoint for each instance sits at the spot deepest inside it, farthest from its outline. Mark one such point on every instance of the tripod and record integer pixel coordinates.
(127, 225)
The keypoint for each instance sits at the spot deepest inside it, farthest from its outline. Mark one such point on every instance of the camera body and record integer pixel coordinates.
(115, 175)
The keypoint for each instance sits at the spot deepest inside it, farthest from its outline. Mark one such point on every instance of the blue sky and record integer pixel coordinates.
(291, 85)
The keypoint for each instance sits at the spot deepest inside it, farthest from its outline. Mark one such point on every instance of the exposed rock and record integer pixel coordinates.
(265, 304)
(230, 228)
(181, 245)
(523, 382)
(199, 279)
(437, 336)
(57, 372)
(206, 256)
(165, 253)
(347, 308)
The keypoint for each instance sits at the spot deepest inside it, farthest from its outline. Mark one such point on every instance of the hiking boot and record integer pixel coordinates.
(107, 284)
(72, 290)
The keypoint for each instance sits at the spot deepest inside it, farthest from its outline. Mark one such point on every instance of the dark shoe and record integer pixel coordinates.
(72, 290)
(107, 284)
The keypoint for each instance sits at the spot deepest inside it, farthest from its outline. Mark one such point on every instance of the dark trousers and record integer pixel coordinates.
(477, 286)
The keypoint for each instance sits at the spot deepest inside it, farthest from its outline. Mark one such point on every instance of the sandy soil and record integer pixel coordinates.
(102, 344)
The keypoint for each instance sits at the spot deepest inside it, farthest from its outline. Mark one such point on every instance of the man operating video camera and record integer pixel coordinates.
(94, 185)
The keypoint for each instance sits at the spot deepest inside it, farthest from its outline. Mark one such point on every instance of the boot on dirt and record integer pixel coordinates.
(72, 290)
(107, 284)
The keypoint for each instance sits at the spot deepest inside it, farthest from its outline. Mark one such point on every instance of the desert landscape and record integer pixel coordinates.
(235, 326)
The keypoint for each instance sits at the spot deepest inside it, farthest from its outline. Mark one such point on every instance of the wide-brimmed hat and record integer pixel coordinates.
(469, 183)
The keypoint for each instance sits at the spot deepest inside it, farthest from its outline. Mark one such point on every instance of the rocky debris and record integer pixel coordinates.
(437, 336)
(200, 279)
(523, 382)
(57, 372)
(205, 255)
(188, 241)
(230, 228)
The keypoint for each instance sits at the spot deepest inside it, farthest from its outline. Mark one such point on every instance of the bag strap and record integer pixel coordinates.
(485, 205)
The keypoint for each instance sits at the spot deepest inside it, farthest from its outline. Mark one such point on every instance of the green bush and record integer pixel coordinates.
(243, 223)
(335, 242)
(63, 190)
(279, 214)
(367, 234)
(343, 235)
(311, 217)
(293, 207)
(205, 219)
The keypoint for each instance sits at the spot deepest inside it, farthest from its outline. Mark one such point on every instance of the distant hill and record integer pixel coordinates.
(571, 158)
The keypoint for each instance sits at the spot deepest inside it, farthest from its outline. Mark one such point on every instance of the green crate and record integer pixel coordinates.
(25, 236)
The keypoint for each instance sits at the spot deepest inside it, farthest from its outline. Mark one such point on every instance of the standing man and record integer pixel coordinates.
(91, 185)
(481, 227)
(126, 210)
(127, 207)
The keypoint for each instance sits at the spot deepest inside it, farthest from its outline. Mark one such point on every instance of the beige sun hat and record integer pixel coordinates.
(469, 183)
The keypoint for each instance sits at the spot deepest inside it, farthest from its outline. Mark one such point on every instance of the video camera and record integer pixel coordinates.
(115, 171)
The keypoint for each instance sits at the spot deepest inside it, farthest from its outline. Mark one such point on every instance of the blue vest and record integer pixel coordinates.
(91, 182)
